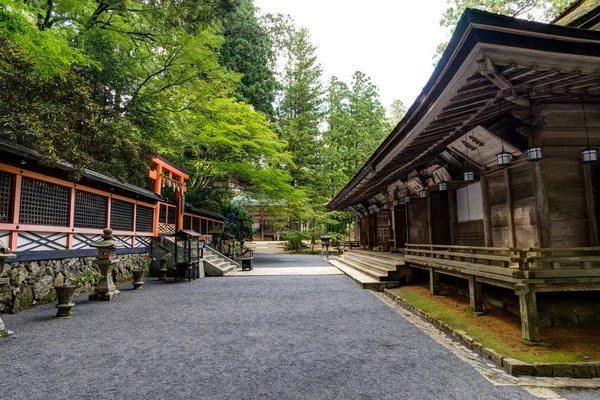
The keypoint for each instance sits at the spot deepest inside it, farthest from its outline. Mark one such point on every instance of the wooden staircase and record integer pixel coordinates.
(371, 269)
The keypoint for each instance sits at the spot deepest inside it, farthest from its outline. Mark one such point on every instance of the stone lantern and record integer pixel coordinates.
(4, 283)
(107, 258)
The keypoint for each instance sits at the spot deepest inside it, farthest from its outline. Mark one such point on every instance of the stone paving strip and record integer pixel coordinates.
(537, 386)
(285, 271)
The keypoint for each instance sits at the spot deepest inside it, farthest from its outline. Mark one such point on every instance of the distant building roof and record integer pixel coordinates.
(202, 212)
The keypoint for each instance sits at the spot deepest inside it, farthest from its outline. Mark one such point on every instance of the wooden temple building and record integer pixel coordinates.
(491, 179)
(46, 215)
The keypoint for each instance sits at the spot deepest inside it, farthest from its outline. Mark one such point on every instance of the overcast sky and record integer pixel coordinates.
(392, 41)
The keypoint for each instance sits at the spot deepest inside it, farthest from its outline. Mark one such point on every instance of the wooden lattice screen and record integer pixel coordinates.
(90, 210)
(144, 218)
(121, 215)
(36, 196)
(6, 190)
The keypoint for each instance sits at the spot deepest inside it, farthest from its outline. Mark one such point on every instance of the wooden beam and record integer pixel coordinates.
(590, 205)
(528, 310)
(510, 208)
(429, 224)
(541, 204)
(487, 220)
(453, 213)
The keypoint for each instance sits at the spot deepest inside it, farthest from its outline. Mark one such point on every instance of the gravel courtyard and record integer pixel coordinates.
(273, 337)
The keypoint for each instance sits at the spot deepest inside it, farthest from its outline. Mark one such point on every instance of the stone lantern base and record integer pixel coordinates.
(104, 296)
(3, 331)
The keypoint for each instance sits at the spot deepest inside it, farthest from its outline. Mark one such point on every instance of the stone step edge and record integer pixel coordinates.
(582, 370)
(365, 281)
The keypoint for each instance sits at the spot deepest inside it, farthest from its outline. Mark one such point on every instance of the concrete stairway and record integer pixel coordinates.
(216, 264)
(373, 270)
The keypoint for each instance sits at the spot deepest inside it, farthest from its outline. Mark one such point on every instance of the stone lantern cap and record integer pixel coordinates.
(108, 241)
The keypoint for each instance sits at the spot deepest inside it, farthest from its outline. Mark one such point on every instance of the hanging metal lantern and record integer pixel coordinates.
(504, 158)
(589, 156)
(407, 199)
(396, 202)
(423, 194)
(534, 154)
(469, 176)
(386, 206)
(443, 186)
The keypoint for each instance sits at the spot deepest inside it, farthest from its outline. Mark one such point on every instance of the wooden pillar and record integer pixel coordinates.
(541, 204)
(429, 224)
(590, 205)
(434, 282)
(392, 224)
(407, 223)
(453, 213)
(528, 310)
(475, 294)
(485, 203)
(14, 235)
(157, 186)
(512, 235)
(71, 218)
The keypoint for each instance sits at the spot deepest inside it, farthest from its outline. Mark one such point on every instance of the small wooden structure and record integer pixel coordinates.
(187, 254)
(456, 182)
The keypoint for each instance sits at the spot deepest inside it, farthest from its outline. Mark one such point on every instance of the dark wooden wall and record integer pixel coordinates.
(418, 217)
(400, 226)
(440, 218)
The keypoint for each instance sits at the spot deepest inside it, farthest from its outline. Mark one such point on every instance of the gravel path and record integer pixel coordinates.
(274, 337)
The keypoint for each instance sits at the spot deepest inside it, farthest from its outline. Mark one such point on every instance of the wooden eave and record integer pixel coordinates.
(529, 60)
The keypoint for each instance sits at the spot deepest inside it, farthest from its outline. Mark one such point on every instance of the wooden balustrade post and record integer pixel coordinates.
(434, 282)
(528, 310)
(475, 294)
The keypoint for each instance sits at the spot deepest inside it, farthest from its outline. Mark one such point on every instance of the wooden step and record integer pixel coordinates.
(387, 258)
(376, 270)
(366, 281)
(380, 263)
(374, 273)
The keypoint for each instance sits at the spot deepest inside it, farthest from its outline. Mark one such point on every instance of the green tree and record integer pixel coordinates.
(299, 113)
(396, 112)
(248, 50)
(543, 10)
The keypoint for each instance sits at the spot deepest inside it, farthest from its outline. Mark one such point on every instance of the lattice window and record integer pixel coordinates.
(43, 203)
(144, 218)
(162, 216)
(187, 222)
(121, 215)
(172, 215)
(90, 210)
(196, 225)
(469, 233)
(6, 191)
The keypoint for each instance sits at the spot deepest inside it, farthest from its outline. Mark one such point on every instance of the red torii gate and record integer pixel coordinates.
(175, 178)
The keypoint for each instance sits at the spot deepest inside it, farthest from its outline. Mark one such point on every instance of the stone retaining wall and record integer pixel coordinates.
(32, 282)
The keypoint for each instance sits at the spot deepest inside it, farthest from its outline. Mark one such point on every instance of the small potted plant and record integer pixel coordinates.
(138, 274)
(65, 292)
